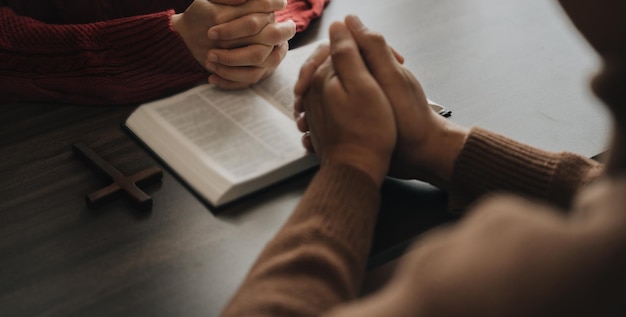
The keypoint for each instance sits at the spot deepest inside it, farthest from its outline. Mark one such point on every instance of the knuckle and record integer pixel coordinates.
(275, 57)
(376, 38)
(283, 49)
(225, 59)
(217, 69)
(341, 49)
(318, 79)
(254, 25)
(274, 36)
(267, 5)
(276, 5)
(221, 16)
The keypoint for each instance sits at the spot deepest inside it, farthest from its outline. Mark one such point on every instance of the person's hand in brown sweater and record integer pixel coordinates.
(348, 115)
(428, 144)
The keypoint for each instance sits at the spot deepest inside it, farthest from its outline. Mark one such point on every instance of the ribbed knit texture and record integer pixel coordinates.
(121, 61)
(316, 260)
(81, 12)
(302, 12)
(490, 162)
(102, 53)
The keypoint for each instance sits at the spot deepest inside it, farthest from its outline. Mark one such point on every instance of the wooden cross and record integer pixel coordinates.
(121, 182)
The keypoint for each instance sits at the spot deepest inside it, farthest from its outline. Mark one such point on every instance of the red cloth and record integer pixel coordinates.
(302, 12)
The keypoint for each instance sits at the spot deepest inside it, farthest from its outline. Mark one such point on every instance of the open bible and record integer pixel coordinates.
(227, 144)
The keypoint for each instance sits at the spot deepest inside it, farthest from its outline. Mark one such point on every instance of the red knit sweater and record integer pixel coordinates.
(102, 52)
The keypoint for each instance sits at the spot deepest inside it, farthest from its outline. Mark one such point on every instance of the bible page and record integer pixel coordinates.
(237, 132)
(278, 88)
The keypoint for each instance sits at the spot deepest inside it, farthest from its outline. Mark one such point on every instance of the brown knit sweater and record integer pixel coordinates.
(553, 246)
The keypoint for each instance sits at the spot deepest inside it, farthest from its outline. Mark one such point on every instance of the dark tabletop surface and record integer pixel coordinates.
(515, 67)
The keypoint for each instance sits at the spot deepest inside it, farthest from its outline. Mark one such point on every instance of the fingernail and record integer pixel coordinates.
(294, 26)
(213, 80)
(357, 21)
(210, 66)
(212, 57)
(213, 35)
(354, 23)
(338, 31)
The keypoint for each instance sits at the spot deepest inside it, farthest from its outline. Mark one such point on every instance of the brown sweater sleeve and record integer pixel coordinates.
(317, 259)
(490, 162)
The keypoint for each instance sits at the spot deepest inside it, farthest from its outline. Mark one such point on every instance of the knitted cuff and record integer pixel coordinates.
(159, 58)
(346, 201)
(490, 162)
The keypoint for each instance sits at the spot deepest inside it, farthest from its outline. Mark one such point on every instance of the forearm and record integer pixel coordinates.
(489, 162)
(317, 259)
(121, 61)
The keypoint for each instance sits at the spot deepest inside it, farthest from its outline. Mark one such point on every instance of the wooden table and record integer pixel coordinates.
(515, 67)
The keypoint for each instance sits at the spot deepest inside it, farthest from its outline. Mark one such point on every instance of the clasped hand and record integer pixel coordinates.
(358, 105)
(237, 41)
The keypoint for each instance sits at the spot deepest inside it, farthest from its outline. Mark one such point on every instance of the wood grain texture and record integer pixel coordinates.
(60, 258)
(516, 67)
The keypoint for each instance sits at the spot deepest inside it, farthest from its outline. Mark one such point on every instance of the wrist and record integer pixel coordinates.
(182, 27)
(373, 165)
(175, 22)
(439, 155)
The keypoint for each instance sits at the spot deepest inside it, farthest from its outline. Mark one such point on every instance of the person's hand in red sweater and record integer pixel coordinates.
(246, 61)
(237, 41)
(350, 119)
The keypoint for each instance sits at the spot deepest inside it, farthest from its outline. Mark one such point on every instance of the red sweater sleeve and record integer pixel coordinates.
(121, 61)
